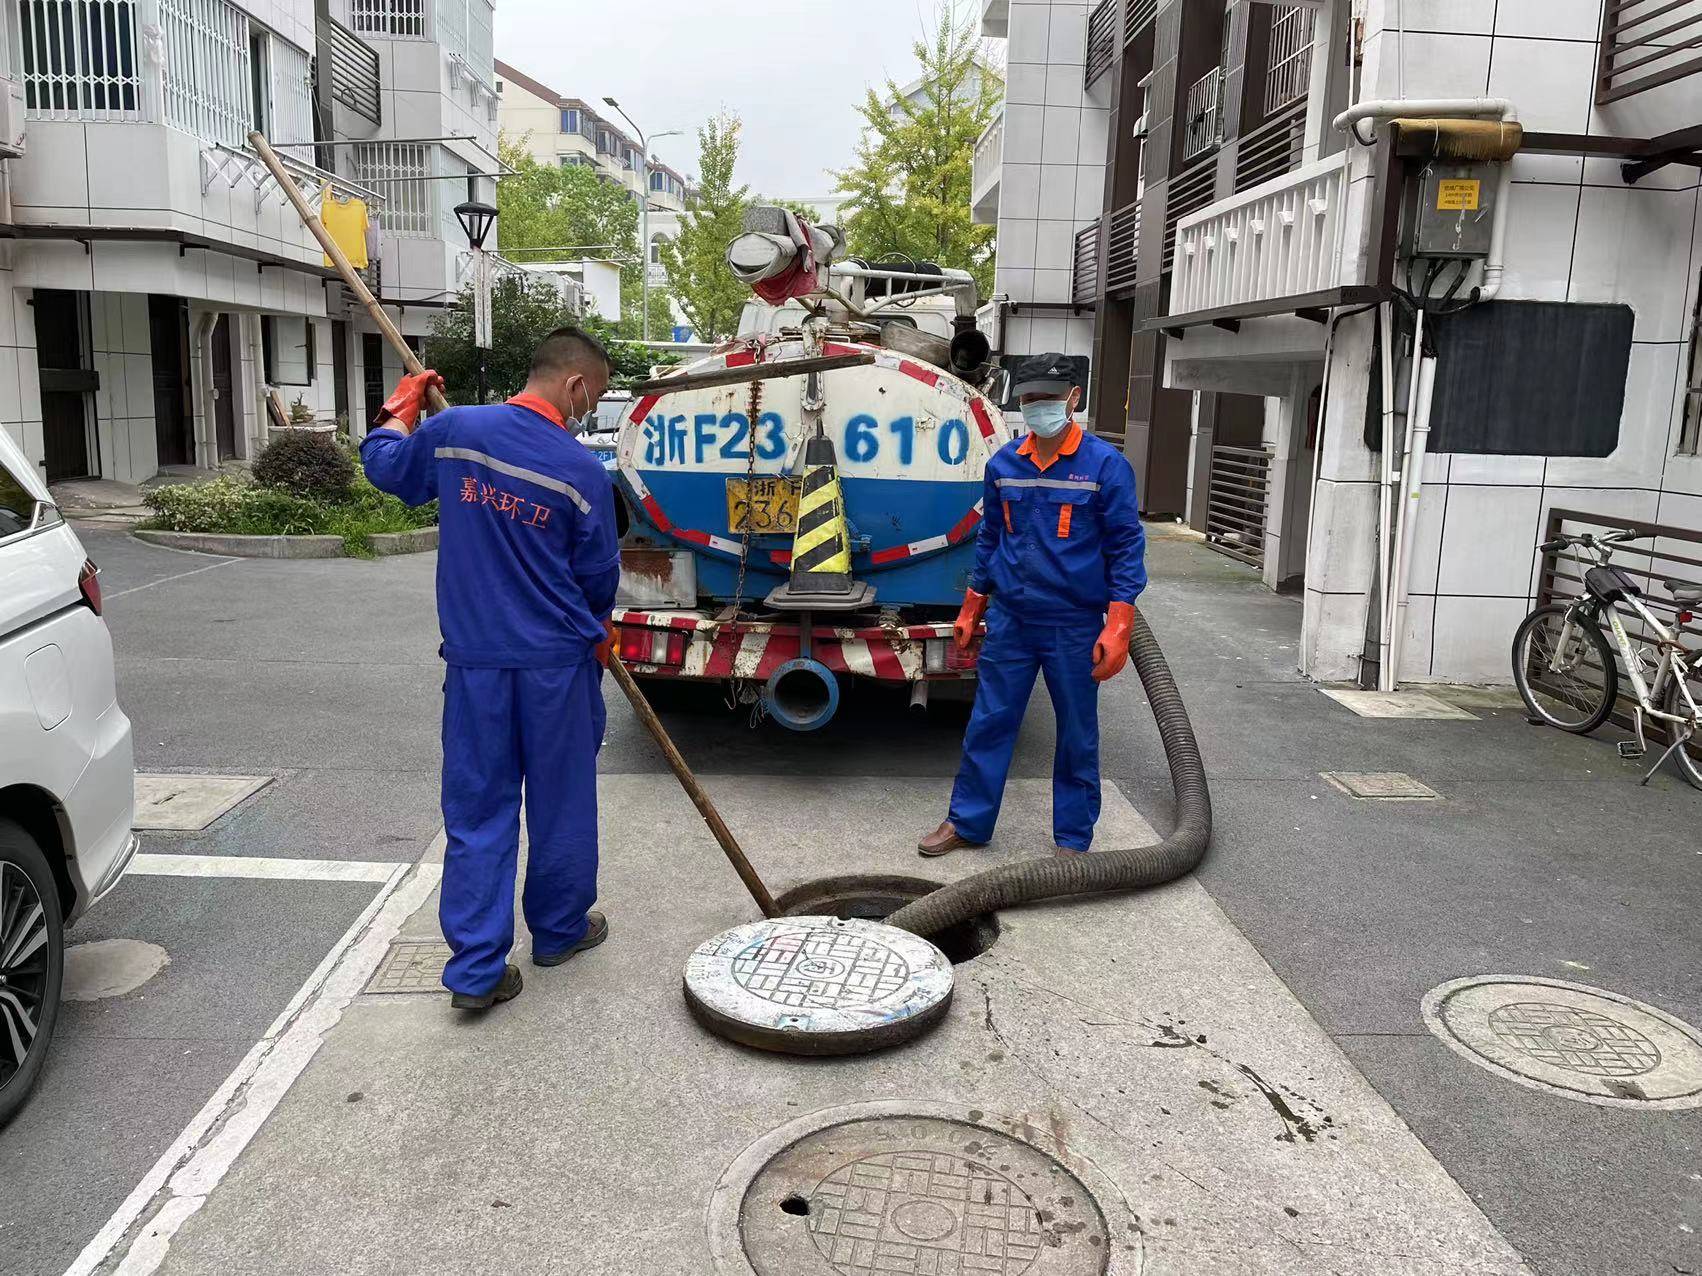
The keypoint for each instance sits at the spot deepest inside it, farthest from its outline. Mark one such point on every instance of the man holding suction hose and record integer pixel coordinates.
(1059, 561)
(528, 562)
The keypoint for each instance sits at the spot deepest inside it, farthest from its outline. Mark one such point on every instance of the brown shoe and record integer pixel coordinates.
(943, 841)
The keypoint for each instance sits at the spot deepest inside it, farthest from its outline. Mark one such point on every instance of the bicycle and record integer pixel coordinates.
(1566, 673)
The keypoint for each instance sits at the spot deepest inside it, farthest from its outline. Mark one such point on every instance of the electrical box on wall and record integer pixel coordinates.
(1451, 210)
(11, 118)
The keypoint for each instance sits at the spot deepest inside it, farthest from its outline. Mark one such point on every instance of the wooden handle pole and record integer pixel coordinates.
(352, 281)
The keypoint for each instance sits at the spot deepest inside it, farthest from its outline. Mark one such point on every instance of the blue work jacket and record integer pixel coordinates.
(1060, 542)
(528, 559)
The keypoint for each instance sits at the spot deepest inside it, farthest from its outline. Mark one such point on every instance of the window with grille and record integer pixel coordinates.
(401, 172)
(404, 19)
(79, 59)
(1290, 63)
(209, 89)
(451, 22)
(481, 46)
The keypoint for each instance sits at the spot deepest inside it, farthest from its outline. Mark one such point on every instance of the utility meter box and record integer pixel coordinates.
(1451, 210)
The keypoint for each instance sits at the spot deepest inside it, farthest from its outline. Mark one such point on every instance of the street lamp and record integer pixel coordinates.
(644, 199)
(476, 219)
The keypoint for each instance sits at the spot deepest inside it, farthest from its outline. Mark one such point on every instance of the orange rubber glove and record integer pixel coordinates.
(1111, 652)
(968, 619)
(606, 647)
(405, 402)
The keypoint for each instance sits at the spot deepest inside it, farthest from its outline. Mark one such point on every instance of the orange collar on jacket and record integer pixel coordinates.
(543, 407)
(1072, 441)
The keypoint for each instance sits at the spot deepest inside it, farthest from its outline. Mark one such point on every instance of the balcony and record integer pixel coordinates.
(1084, 272)
(988, 164)
(1202, 115)
(1644, 45)
(996, 18)
(1122, 246)
(1267, 250)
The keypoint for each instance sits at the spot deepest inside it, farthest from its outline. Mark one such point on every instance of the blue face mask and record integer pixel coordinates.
(1046, 417)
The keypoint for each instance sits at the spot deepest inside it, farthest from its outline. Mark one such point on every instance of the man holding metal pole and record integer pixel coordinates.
(528, 562)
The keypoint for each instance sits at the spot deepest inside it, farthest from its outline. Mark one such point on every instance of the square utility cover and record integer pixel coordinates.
(1381, 786)
(1396, 704)
(189, 803)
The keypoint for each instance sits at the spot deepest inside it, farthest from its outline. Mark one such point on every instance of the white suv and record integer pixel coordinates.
(67, 785)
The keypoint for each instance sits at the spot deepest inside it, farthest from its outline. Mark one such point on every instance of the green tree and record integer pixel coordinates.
(908, 191)
(695, 262)
(522, 311)
(566, 212)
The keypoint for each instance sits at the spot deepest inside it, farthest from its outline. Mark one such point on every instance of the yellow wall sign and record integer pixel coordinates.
(1457, 194)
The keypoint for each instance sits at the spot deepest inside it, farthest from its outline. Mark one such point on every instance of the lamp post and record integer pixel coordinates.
(476, 219)
(644, 200)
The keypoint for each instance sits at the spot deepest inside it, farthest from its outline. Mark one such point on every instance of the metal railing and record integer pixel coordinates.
(410, 209)
(1236, 502)
(1272, 149)
(79, 60)
(1101, 40)
(353, 67)
(1272, 242)
(1288, 76)
(1137, 14)
(1084, 267)
(989, 157)
(208, 90)
(1645, 44)
(389, 19)
(1190, 190)
(1202, 115)
(1673, 553)
(1122, 247)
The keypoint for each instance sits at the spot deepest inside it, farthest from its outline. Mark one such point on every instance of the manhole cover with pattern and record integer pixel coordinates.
(919, 1196)
(818, 985)
(1562, 1037)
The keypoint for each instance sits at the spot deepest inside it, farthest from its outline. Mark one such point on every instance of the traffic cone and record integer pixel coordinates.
(821, 547)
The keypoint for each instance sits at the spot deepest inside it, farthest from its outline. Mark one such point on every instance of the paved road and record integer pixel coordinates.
(1545, 859)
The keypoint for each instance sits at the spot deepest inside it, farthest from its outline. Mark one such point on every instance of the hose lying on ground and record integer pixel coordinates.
(1114, 870)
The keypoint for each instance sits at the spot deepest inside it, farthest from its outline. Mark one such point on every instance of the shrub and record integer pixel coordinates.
(307, 464)
(230, 505)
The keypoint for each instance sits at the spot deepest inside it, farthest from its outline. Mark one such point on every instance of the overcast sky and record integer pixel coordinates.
(794, 70)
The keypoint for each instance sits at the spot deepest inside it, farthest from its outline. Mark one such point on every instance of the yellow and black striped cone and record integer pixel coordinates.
(821, 548)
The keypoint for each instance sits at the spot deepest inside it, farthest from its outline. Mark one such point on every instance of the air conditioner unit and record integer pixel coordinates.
(11, 119)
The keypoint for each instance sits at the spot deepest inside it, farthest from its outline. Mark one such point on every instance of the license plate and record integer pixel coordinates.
(764, 504)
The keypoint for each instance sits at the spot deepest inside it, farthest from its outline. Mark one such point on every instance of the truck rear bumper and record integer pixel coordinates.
(695, 644)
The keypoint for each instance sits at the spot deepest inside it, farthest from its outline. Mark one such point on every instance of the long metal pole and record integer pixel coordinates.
(676, 761)
(644, 225)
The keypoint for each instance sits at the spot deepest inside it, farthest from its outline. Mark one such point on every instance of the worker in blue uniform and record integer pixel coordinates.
(1059, 560)
(528, 560)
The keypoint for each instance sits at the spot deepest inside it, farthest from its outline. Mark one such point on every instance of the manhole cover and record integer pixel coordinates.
(411, 965)
(818, 985)
(190, 802)
(917, 1194)
(1562, 1037)
(1381, 786)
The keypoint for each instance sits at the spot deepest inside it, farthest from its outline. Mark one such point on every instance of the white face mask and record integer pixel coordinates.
(577, 425)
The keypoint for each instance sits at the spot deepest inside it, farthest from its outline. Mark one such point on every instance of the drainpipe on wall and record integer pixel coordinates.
(206, 420)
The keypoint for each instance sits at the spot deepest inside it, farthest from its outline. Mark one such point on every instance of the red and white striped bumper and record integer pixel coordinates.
(689, 644)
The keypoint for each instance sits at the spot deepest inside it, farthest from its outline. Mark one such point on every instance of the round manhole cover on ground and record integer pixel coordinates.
(818, 985)
(1562, 1037)
(919, 1195)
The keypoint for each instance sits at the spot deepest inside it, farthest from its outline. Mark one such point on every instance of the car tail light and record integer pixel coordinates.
(88, 581)
(640, 646)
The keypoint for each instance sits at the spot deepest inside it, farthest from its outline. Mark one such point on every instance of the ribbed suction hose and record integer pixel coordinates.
(1114, 870)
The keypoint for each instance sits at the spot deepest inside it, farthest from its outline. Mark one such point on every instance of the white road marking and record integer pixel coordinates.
(260, 866)
(198, 1159)
(166, 580)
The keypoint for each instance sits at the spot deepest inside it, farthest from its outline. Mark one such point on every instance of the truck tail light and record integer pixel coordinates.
(640, 646)
(88, 582)
(934, 655)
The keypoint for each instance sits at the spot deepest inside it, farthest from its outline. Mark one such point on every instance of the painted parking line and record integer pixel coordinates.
(260, 866)
(178, 1183)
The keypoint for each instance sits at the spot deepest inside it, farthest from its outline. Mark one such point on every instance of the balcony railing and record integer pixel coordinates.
(1101, 40)
(1084, 272)
(389, 19)
(1645, 44)
(1235, 510)
(1190, 190)
(1136, 15)
(352, 65)
(1202, 115)
(1272, 149)
(1273, 242)
(1122, 244)
(986, 167)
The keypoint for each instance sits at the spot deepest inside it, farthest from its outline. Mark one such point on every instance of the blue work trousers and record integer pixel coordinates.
(503, 728)
(1012, 653)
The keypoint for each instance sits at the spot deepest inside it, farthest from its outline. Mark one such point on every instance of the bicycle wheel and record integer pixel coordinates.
(1689, 758)
(1575, 692)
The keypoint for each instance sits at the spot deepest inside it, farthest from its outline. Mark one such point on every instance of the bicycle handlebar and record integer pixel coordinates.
(1590, 539)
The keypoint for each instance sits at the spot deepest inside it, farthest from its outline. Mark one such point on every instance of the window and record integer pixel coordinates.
(389, 17)
(259, 80)
(18, 507)
(410, 205)
(79, 59)
(499, 87)
(1690, 433)
(569, 120)
(658, 181)
(287, 349)
(655, 250)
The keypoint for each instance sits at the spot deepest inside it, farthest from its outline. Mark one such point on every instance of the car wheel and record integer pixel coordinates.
(32, 964)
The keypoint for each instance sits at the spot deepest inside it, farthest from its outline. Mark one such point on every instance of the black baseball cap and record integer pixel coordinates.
(1049, 373)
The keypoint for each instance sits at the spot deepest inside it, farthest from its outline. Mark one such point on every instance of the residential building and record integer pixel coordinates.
(567, 130)
(1247, 252)
(158, 284)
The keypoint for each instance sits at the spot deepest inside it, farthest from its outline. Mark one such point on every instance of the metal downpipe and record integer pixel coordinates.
(1127, 868)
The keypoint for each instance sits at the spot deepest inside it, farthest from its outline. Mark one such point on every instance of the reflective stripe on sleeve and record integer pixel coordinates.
(515, 471)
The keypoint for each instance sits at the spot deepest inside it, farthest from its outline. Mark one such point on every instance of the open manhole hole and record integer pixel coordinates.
(1583, 1043)
(877, 897)
(929, 1191)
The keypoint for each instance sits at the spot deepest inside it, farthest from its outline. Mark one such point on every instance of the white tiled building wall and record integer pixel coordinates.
(1577, 233)
(1053, 177)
